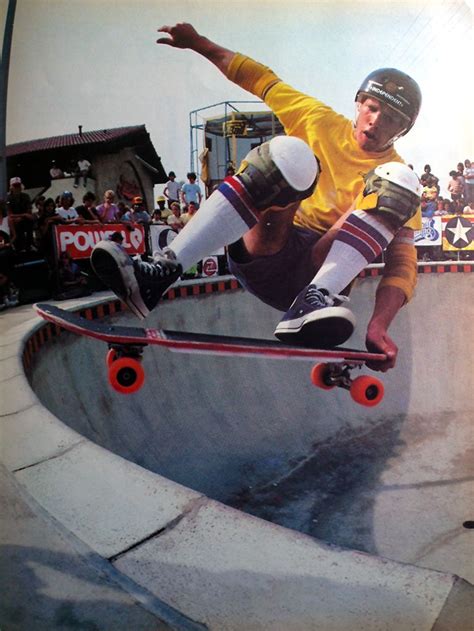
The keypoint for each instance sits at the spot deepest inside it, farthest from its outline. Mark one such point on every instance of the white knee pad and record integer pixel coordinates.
(400, 174)
(295, 160)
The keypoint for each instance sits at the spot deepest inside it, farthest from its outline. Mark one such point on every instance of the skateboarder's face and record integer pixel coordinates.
(376, 125)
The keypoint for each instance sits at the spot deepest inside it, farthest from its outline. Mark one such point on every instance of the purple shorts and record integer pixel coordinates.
(278, 278)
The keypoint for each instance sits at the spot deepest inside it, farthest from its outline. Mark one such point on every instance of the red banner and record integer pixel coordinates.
(79, 240)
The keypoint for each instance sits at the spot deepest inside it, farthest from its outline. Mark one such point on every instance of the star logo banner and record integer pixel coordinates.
(458, 232)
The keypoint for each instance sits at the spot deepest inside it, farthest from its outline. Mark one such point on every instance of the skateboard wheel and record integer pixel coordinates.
(111, 357)
(126, 375)
(319, 375)
(367, 390)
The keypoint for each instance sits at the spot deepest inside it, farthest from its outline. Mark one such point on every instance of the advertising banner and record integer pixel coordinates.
(431, 232)
(458, 232)
(161, 236)
(78, 240)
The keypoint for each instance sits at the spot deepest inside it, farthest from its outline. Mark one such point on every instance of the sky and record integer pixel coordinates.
(95, 63)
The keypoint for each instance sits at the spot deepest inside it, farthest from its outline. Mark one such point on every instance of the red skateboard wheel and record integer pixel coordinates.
(318, 377)
(367, 390)
(126, 375)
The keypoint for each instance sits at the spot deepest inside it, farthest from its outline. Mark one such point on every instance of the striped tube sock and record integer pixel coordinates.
(360, 240)
(221, 219)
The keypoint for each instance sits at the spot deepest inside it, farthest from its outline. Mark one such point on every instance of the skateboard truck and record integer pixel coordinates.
(365, 390)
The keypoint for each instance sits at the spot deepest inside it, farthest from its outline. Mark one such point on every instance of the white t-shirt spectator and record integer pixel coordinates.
(174, 222)
(67, 213)
(84, 165)
(173, 189)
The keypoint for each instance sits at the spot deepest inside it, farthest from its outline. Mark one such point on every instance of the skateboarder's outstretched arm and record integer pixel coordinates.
(183, 35)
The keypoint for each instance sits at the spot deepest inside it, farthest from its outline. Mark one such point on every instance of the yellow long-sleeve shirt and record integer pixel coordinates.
(343, 162)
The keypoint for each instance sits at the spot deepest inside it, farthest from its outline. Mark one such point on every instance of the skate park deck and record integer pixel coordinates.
(385, 494)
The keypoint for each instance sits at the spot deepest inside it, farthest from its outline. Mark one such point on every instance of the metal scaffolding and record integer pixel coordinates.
(233, 126)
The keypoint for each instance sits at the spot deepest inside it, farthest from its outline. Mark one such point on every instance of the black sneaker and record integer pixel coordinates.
(315, 319)
(139, 284)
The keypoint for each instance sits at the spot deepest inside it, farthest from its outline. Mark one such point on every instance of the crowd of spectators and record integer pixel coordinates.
(460, 201)
(460, 189)
(26, 227)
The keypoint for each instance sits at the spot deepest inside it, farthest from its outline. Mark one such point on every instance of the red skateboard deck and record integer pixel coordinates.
(126, 346)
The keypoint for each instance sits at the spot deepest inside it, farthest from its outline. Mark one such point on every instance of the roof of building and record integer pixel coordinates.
(71, 140)
(33, 155)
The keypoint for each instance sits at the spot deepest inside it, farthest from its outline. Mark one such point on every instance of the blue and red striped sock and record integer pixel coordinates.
(360, 240)
(221, 219)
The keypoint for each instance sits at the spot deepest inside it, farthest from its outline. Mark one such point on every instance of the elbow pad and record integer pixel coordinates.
(251, 75)
(393, 191)
(400, 267)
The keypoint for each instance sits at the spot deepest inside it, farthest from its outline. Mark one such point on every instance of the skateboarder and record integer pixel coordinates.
(300, 228)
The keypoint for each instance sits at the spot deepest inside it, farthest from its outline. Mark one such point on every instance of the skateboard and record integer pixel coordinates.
(126, 344)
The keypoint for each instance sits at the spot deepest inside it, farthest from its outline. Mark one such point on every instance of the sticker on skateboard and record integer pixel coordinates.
(126, 345)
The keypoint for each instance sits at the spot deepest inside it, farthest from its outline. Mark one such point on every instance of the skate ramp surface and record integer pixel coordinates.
(253, 433)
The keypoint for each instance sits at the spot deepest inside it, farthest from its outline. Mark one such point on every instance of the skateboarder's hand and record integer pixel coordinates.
(379, 341)
(182, 35)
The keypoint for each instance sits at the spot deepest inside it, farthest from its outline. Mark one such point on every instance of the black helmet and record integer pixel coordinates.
(396, 89)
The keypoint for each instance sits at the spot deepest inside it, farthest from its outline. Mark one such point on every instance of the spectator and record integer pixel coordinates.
(6, 224)
(172, 189)
(138, 213)
(82, 170)
(448, 207)
(174, 220)
(20, 215)
(191, 192)
(458, 207)
(440, 207)
(469, 209)
(46, 219)
(123, 208)
(55, 172)
(460, 170)
(39, 205)
(455, 186)
(8, 291)
(191, 210)
(165, 212)
(72, 283)
(156, 218)
(430, 193)
(469, 181)
(108, 211)
(428, 207)
(87, 212)
(66, 210)
(428, 179)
